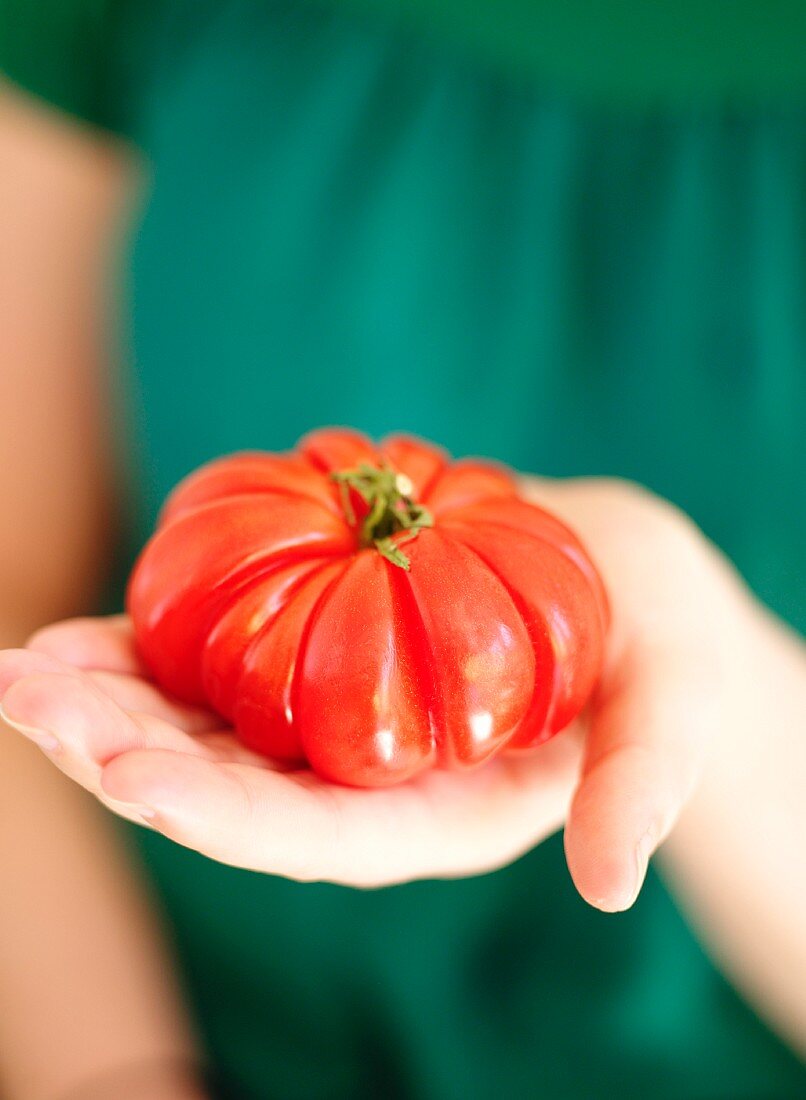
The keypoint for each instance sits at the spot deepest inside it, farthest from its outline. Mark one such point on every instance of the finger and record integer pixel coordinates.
(81, 728)
(303, 828)
(496, 813)
(235, 813)
(223, 744)
(134, 694)
(650, 733)
(16, 663)
(102, 643)
(129, 692)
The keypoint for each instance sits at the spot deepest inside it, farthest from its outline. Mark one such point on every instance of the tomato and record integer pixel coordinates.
(371, 611)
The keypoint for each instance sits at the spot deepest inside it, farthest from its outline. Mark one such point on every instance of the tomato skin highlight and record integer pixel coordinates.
(265, 700)
(269, 593)
(249, 472)
(363, 716)
(479, 648)
(525, 517)
(564, 624)
(196, 563)
(249, 615)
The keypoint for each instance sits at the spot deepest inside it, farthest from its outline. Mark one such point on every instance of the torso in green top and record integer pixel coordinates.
(373, 214)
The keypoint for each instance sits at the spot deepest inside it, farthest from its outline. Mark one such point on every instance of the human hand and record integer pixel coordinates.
(618, 778)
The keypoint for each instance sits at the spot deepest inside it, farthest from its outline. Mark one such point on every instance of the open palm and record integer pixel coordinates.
(619, 776)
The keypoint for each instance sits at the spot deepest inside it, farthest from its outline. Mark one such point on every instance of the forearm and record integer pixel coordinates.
(87, 1001)
(737, 858)
(85, 984)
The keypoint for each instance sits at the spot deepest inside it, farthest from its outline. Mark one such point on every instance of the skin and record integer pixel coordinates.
(88, 1006)
(695, 734)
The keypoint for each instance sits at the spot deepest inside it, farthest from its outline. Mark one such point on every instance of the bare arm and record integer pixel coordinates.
(86, 993)
(737, 859)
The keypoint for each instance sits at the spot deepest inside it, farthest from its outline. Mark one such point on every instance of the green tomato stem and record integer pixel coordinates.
(391, 509)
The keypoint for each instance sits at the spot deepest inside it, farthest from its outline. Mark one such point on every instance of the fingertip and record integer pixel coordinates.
(89, 643)
(18, 663)
(609, 883)
(88, 724)
(11, 656)
(153, 777)
(237, 814)
(188, 799)
(59, 639)
(36, 699)
(613, 827)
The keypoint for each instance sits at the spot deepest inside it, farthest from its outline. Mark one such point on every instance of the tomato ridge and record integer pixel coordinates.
(526, 618)
(422, 655)
(193, 509)
(572, 560)
(247, 589)
(307, 630)
(574, 549)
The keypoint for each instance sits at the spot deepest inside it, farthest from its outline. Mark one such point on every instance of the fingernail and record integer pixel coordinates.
(125, 805)
(145, 811)
(42, 738)
(643, 850)
(137, 809)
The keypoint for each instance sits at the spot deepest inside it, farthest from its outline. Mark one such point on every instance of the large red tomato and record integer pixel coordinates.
(373, 611)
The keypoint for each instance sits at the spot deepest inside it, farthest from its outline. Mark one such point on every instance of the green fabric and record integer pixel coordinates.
(629, 50)
(73, 52)
(66, 52)
(355, 218)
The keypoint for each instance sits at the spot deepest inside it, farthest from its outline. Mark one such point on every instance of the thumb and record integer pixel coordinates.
(650, 732)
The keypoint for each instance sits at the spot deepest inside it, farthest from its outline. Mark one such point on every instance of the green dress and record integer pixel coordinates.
(569, 235)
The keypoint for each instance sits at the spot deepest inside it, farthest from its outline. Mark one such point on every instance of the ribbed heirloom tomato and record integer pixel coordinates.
(373, 611)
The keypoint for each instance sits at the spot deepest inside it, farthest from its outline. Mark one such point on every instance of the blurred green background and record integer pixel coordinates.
(570, 236)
